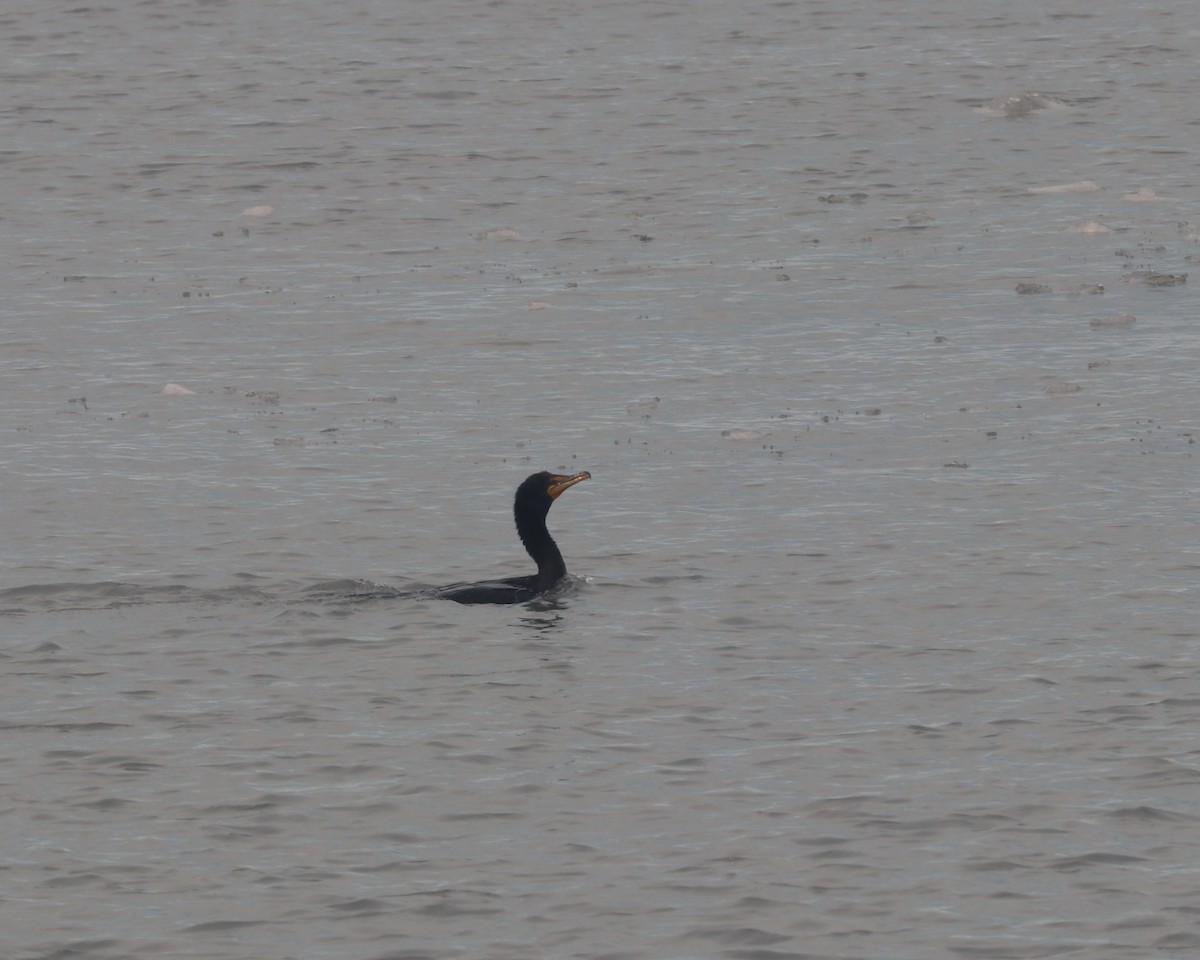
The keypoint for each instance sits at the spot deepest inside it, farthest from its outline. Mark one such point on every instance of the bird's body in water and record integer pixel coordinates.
(530, 506)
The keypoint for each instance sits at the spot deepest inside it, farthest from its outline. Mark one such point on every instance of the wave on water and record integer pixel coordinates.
(356, 591)
(113, 595)
(365, 591)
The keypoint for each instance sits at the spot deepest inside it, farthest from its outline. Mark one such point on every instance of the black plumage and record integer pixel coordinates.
(531, 504)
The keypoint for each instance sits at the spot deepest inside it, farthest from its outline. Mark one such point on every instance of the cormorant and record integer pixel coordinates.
(530, 506)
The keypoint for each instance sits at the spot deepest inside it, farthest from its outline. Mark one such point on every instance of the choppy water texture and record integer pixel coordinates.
(869, 320)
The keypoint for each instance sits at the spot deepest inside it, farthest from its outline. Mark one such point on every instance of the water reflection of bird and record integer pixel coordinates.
(530, 506)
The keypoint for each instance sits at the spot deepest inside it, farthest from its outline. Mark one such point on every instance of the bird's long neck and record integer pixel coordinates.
(541, 546)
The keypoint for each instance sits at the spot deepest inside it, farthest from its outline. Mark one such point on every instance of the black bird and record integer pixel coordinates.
(530, 506)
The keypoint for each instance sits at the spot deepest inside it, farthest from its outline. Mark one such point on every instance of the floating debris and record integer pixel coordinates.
(1089, 228)
(1144, 195)
(1119, 320)
(957, 464)
(643, 408)
(1034, 288)
(1143, 250)
(1062, 389)
(262, 210)
(1021, 105)
(738, 434)
(1166, 280)
(1152, 278)
(177, 390)
(501, 233)
(1080, 186)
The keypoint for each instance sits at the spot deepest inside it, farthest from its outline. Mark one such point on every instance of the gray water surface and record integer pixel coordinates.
(881, 637)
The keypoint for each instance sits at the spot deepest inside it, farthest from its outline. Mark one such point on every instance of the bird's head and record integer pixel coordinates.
(541, 489)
